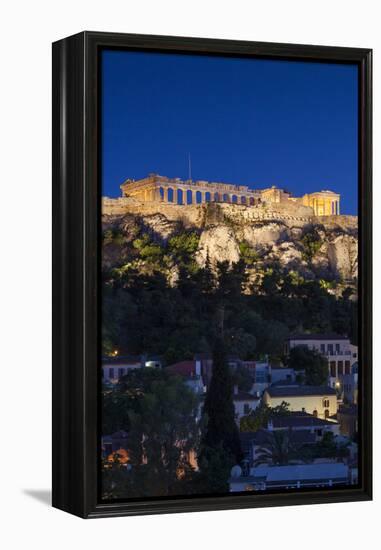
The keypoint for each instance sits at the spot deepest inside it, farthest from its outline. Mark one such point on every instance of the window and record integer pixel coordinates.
(103, 373)
(325, 403)
(332, 368)
(340, 368)
(322, 348)
(303, 409)
(330, 349)
(326, 413)
(120, 372)
(246, 408)
(347, 365)
(111, 373)
(315, 413)
(337, 347)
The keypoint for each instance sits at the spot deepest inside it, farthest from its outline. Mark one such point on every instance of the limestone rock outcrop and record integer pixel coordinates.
(218, 243)
(272, 236)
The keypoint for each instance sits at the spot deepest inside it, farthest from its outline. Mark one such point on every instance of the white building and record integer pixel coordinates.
(113, 368)
(340, 353)
(244, 402)
(320, 401)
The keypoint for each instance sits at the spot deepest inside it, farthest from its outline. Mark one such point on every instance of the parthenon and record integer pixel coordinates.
(155, 188)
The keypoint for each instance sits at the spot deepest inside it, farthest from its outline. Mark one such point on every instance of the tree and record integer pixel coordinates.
(162, 432)
(312, 362)
(184, 245)
(242, 378)
(278, 450)
(259, 417)
(312, 243)
(248, 253)
(221, 426)
(215, 464)
(240, 343)
(327, 447)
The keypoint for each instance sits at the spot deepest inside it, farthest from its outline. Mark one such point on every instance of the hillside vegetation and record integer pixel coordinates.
(171, 285)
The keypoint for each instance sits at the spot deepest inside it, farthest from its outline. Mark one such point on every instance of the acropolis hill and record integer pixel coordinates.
(270, 221)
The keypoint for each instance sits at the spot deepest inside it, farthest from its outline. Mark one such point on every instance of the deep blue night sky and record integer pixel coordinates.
(244, 121)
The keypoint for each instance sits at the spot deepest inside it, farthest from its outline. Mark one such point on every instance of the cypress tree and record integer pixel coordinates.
(221, 430)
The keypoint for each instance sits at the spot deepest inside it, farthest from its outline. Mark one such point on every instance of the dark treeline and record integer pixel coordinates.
(144, 313)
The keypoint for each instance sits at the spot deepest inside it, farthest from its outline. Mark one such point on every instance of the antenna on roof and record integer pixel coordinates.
(189, 167)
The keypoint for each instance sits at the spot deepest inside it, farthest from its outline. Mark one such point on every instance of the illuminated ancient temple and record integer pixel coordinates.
(155, 188)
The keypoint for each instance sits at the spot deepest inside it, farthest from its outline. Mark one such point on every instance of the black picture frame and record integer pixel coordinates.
(76, 208)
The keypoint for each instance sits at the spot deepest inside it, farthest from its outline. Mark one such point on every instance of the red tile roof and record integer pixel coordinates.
(183, 368)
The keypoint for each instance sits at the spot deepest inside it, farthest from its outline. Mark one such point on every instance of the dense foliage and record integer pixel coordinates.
(259, 417)
(313, 365)
(162, 302)
(160, 414)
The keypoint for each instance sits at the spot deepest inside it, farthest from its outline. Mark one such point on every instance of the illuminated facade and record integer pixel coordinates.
(324, 203)
(155, 188)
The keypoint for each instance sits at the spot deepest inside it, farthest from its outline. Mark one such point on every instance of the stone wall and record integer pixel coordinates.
(290, 213)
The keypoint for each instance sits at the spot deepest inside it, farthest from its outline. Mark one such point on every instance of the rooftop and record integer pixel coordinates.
(327, 336)
(264, 437)
(183, 368)
(295, 391)
(244, 396)
(298, 420)
(302, 472)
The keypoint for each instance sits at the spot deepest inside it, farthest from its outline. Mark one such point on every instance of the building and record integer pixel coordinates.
(244, 402)
(282, 374)
(324, 203)
(113, 368)
(260, 478)
(339, 352)
(320, 401)
(297, 421)
(261, 371)
(348, 386)
(191, 371)
(156, 188)
(302, 429)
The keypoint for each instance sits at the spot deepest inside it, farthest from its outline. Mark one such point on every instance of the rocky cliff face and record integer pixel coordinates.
(323, 248)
